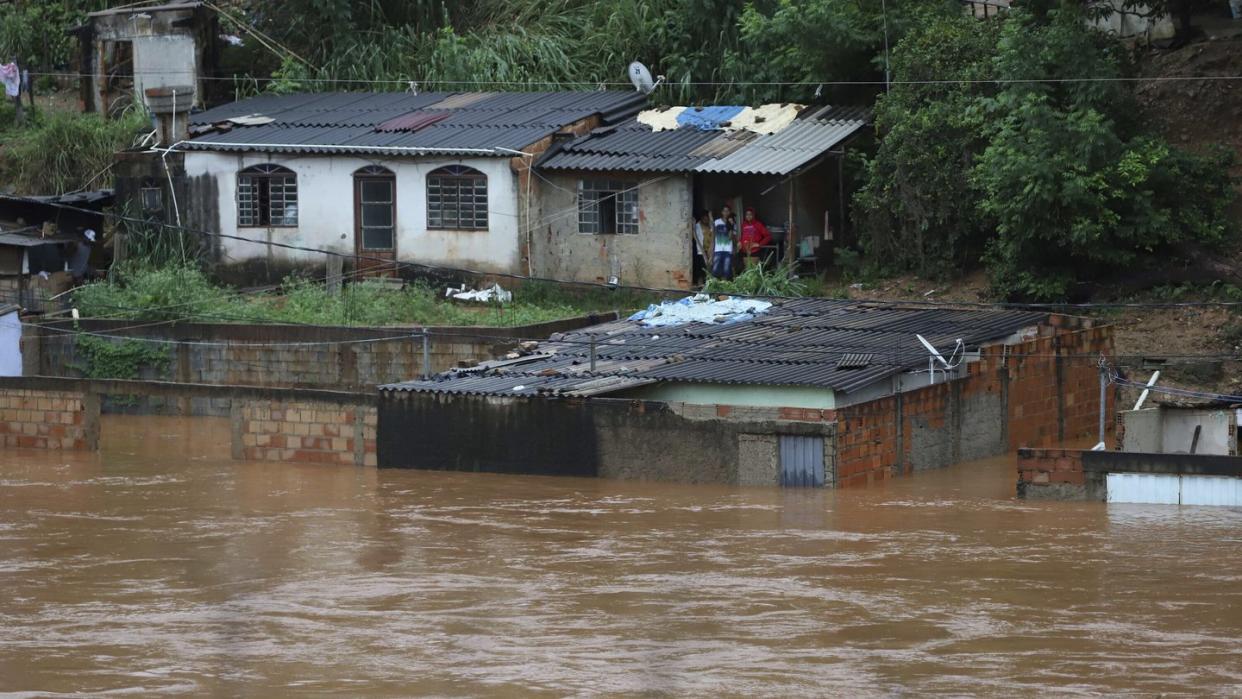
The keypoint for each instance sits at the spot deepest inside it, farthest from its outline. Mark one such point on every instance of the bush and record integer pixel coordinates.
(758, 281)
(63, 152)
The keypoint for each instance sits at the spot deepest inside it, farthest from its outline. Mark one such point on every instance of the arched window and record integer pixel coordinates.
(457, 198)
(375, 206)
(267, 195)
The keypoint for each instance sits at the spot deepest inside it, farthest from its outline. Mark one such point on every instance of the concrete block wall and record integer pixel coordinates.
(304, 431)
(1051, 474)
(285, 356)
(38, 419)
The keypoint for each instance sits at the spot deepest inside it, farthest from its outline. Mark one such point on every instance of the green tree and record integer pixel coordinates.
(914, 209)
(1035, 161)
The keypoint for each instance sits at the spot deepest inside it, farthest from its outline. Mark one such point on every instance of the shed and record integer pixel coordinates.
(666, 164)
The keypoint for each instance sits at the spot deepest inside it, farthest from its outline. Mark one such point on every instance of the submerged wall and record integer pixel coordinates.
(48, 418)
(607, 438)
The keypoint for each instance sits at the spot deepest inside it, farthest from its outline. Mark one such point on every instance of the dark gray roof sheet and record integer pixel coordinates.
(336, 122)
(634, 147)
(798, 342)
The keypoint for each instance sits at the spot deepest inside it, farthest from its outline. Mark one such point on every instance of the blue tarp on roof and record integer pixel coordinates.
(706, 118)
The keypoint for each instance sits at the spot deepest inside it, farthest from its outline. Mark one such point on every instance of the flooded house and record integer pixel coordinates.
(807, 392)
(441, 179)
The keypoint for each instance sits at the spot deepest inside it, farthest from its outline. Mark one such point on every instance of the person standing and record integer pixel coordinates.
(722, 245)
(79, 262)
(701, 229)
(755, 235)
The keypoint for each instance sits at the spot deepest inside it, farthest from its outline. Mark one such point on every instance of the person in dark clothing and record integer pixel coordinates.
(723, 239)
(80, 260)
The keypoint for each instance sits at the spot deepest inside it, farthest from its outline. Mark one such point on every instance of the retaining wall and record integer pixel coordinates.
(49, 419)
(314, 357)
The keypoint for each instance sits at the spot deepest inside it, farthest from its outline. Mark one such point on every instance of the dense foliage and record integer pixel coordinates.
(65, 151)
(1033, 159)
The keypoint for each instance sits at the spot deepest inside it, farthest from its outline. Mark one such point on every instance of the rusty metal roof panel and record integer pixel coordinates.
(348, 122)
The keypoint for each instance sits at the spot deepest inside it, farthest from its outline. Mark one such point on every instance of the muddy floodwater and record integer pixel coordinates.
(161, 566)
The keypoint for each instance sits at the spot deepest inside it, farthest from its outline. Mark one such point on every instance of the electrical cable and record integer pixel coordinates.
(595, 84)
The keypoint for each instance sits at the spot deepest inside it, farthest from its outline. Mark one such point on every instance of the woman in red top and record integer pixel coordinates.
(754, 236)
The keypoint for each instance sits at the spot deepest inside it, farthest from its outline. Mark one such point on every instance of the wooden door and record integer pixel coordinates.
(375, 221)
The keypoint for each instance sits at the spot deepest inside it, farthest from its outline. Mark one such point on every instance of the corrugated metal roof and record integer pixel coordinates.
(634, 147)
(375, 123)
(823, 343)
(31, 239)
(784, 151)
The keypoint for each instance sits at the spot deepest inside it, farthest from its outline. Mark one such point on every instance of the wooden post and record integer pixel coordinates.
(334, 274)
(791, 234)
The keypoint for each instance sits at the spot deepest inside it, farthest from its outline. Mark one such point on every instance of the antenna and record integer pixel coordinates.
(641, 77)
(937, 357)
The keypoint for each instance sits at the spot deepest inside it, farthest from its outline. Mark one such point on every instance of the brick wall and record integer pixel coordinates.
(1037, 393)
(1051, 474)
(37, 419)
(304, 431)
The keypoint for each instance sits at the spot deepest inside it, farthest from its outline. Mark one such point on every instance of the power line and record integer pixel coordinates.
(809, 84)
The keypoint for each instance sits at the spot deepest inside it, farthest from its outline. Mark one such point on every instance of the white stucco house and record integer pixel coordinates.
(579, 186)
(437, 179)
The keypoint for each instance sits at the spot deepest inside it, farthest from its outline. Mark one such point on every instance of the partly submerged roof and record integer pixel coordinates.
(813, 342)
(402, 123)
(635, 146)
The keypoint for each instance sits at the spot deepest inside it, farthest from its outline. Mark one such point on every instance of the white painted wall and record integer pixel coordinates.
(326, 210)
(10, 345)
(735, 394)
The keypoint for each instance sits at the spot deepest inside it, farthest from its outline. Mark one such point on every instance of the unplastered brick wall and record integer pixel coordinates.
(1041, 392)
(1051, 474)
(38, 419)
(304, 431)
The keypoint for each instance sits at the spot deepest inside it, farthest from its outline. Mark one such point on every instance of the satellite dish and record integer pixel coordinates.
(937, 357)
(641, 77)
(931, 348)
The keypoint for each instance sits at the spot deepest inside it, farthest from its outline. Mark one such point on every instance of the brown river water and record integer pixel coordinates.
(159, 566)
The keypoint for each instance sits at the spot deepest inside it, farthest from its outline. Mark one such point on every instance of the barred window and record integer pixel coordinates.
(457, 198)
(267, 195)
(607, 207)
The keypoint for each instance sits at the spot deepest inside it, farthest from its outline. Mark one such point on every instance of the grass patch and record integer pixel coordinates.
(185, 293)
(57, 152)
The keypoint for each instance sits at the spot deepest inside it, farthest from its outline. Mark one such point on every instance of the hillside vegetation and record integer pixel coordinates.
(1013, 144)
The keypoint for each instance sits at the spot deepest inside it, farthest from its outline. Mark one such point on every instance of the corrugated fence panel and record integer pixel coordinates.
(1212, 490)
(1152, 488)
(1171, 489)
(802, 461)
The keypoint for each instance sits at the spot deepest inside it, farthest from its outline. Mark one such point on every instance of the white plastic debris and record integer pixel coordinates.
(491, 294)
(700, 308)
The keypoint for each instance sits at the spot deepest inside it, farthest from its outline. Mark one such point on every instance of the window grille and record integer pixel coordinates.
(267, 195)
(457, 198)
(607, 207)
